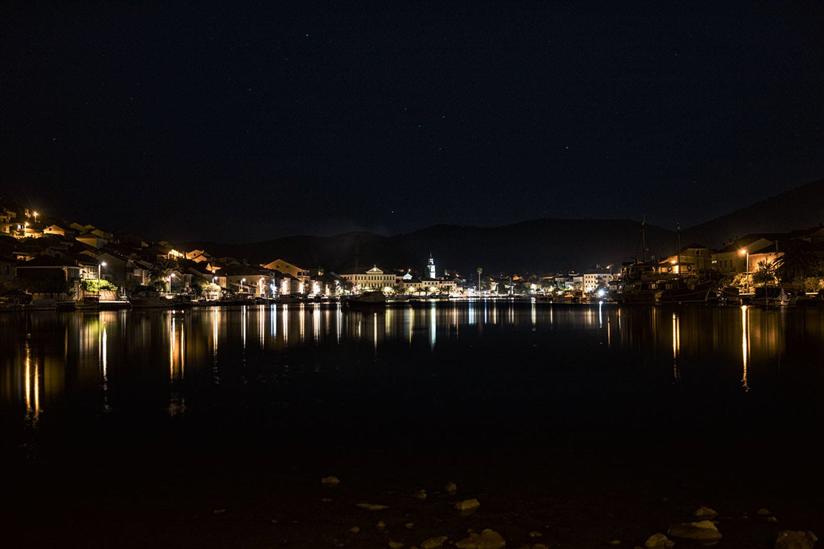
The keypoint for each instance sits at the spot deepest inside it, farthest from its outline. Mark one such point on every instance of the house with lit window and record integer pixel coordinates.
(737, 257)
(592, 281)
(373, 279)
(283, 266)
(690, 260)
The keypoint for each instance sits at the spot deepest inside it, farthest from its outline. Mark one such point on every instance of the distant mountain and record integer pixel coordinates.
(543, 245)
(798, 208)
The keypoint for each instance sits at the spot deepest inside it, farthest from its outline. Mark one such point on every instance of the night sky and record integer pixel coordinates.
(210, 121)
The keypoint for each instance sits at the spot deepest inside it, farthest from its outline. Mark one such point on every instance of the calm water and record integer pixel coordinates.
(568, 364)
(129, 429)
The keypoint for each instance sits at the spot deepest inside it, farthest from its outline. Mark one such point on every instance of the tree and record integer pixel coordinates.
(765, 273)
(798, 262)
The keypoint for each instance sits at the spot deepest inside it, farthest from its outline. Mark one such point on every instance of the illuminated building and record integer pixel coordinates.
(373, 279)
(430, 268)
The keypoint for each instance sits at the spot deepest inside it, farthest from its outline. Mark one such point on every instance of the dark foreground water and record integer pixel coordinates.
(213, 427)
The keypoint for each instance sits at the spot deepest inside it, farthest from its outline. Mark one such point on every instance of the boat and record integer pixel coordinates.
(149, 298)
(686, 290)
(366, 301)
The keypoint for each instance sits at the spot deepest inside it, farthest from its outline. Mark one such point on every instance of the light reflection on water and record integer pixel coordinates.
(46, 356)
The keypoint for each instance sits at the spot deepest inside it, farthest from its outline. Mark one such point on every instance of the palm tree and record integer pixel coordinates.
(766, 272)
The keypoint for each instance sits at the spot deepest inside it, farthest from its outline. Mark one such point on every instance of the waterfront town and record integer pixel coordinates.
(47, 263)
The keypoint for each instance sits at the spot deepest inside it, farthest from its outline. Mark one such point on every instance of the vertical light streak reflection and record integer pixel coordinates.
(104, 363)
(411, 323)
(284, 316)
(433, 326)
(302, 322)
(262, 326)
(745, 346)
(472, 313)
(533, 314)
(375, 330)
(273, 321)
(609, 332)
(338, 322)
(177, 363)
(215, 333)
(177, 350)
(243, 321)
(676, 346)
(316, 322)
(387, 323)
(31, 385)
(600, 314)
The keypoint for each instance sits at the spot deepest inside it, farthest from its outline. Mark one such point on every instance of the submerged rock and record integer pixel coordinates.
(468, 505)
(330, 481)
(372, 506)
(381, 525)
(395, 545)
(658, 541)
(354, 530)
(487, 539)
(434, 542)
(703, 530)
(451, 488)
(795, 539)
(421, 494)
(706, 513)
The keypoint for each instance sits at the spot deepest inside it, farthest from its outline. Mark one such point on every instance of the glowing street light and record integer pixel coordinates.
(745, 252)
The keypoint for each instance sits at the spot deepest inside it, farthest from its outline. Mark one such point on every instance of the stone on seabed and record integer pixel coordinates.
(330, 481)
(703, 530)
(451, 488)
(468, 505)
(434, 543)
(487, 539)
(795, 539)
(658, 541)
(706, 513)
(372, 506)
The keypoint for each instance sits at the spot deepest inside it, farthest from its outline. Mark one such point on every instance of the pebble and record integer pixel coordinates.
(381, 525)
(434, 542)
(703, 530)
(395, 545)
(535, 534)
(372, 506)
(487, 539)
(330, 481)
(451, 488)
(354, 530)
(659, 541)
(468, 505)
(409, 525)
(421, 494)
(795, 539)
(706, 513)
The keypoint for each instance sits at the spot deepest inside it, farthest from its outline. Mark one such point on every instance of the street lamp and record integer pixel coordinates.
(745, 252)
